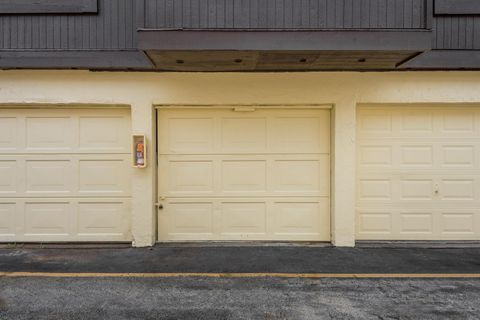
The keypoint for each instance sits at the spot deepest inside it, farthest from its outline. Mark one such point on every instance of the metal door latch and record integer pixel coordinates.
(159, 206)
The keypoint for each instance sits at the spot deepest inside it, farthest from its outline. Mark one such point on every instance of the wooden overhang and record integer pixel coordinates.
(281, 50)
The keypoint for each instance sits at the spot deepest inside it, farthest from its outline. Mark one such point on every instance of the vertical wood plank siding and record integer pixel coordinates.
(114, 27)
(284, 14)
(456, 32)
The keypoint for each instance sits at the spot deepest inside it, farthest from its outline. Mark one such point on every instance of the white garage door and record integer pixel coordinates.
(236, 175)
(418, 173)
(64, 174)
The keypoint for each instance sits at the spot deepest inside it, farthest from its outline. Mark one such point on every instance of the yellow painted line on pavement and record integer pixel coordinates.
(244, 275)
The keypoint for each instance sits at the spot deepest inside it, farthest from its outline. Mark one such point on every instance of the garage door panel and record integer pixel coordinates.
(245, 219)
(102, 176)
(64, 131)
(43, 218)
(458, 156)
(457, 222)
(48, 176)
(457, 189)
(8, 133)
(302, 218)
(244, 174)
(261, 175)
(411, 156)
(412, 223)
(192, 218)
(186, 135)
(52, 134)
(416, 222)
(298, 134)
(375, 189)
(396, 224)
(65, 174)
(458, 122)
(184, 176)
(417, 189)
(375, 155)
(7, 219)
(409, 122)
(417, 122)
(103, 218)
(373, 122)
(8, 178)
(187, 176)
(65, 219)
(223, 131)
(243, 134)
(298, 175)
(429, 189)
(416, 156)
(373, 223)
(425, 161)
(105, 133)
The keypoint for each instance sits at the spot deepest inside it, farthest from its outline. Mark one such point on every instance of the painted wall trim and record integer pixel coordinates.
(48, 6)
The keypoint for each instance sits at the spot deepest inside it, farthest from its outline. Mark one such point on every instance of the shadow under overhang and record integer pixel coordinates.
(281, 50)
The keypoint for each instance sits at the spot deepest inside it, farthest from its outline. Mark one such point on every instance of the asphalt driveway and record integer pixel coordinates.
(211, 299)
(126, 283)
(238, 259)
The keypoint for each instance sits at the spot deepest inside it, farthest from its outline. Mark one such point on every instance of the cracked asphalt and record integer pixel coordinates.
(250, 298)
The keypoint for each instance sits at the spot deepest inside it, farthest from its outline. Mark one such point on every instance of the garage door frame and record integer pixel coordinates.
(247, 108)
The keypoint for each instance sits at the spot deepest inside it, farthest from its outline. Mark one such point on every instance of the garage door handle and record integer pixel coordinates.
(436, 189)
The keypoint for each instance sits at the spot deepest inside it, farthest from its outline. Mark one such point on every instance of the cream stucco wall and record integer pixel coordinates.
(344, 91)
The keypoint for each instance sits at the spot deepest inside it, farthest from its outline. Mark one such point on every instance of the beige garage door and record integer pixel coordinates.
(244, 175)
(418, 173)
(64, 174)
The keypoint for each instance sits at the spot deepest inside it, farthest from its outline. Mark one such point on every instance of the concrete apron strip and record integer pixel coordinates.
(242, 275)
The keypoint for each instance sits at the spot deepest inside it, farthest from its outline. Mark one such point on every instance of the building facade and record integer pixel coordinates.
(270, 120)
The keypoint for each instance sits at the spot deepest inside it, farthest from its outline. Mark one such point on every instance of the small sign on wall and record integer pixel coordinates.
(139, 152)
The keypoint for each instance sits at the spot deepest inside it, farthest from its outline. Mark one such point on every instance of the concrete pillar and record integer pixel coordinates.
(343, 173)
(144, 213)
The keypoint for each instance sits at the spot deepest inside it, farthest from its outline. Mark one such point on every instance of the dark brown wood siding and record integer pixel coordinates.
(286, 14)
(456, 32)
(114, 27)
